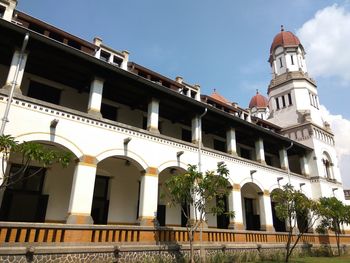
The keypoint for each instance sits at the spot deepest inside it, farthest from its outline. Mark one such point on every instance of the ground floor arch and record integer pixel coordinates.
(42, 195)
(278, 224)
(167, 214)
(253, 207)
(117, 191)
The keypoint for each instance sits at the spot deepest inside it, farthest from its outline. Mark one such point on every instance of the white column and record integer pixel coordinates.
(95, 98)
(195, 129)
(80, 203)
(10, 7)
(231, 141)
(235, 204)
(266, 220)
(153, 115)
(148, 197)
(12, 72)
(259, 151)
(284, 159)
(124, 64)
(304, 166)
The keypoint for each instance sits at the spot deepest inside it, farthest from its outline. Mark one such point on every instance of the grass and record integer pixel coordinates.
(342, 259)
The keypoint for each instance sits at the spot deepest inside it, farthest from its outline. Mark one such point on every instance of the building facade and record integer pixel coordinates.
(130, 128)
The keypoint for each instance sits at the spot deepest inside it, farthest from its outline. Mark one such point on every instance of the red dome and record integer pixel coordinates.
(284, 39)
(258, 101)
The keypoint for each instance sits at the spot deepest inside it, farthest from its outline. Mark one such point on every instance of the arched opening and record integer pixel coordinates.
(302, 218)
(278, 224)
(117, 191)
(252, 206)
(327, 166)
(169, 215)
(223, 220)
(41, 196)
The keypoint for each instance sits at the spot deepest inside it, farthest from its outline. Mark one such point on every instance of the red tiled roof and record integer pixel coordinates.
(219, 97)
(284, 39)
(258, 101)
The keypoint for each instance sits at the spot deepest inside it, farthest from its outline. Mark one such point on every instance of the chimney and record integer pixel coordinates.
(97, 41)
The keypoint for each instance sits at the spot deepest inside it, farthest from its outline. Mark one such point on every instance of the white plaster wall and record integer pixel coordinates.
(211, 219)
(87, 138)
(124, 186)
(58, 184)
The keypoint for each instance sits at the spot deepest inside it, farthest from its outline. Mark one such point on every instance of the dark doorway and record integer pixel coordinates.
(183, 217)
(278, 224)
(100, 202)
(252, 220)
(223, 220)
(23, 201)
(161, 212)
(302, 221)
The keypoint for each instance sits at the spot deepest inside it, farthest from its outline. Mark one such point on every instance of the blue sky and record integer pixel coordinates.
(217, 44)
(220, 44)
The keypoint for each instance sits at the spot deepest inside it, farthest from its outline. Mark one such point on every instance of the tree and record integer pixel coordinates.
(29, 152)
(194, 191)
(334, 214)
(289, 204)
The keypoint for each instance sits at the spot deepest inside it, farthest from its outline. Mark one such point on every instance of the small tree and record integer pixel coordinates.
(29, 152)
(194, 191)
(290, 203)
(334, 214)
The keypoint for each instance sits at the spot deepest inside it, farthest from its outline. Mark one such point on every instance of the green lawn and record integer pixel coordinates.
(342, 259)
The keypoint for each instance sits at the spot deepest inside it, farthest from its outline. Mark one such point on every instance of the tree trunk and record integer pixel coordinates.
(190, 235)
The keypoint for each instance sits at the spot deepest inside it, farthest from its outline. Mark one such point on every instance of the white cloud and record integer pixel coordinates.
(341, 130)
(326, 37)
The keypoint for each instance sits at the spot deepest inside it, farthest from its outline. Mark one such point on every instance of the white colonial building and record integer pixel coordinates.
(130, 128)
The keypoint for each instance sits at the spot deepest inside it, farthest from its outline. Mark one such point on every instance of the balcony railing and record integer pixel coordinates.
(12, 232)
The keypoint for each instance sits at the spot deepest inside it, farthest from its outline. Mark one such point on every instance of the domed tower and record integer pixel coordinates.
(294, 105)
(259, 106)
(292, 93)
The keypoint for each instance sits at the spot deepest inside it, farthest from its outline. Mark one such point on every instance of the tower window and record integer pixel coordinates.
(281, 64)
(291, 59)
(277, 103)
(290, 99)
(2, 11)
(283, 101)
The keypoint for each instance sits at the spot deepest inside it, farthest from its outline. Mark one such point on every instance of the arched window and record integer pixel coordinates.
(327, 166)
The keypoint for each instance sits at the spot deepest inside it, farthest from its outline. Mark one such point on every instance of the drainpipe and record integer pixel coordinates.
(200, 170)
(288, 170)
(200, 140)
(14, 82)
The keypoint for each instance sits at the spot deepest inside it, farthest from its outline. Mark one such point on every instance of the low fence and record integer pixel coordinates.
(11, 232)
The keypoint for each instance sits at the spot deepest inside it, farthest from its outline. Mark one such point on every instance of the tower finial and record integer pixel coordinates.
(257, 91)
(282, 28)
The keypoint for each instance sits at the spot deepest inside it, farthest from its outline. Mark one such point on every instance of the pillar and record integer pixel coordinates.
(148, 197)
(284, 159)
(235, 204)
(153, 116)
(195, 129)
(304, 166)
(80, 203)
(10, 6)
(266, 220)
(124, 64)
(17, 56)
(231, 141)
(259, 151)
(95, 98)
